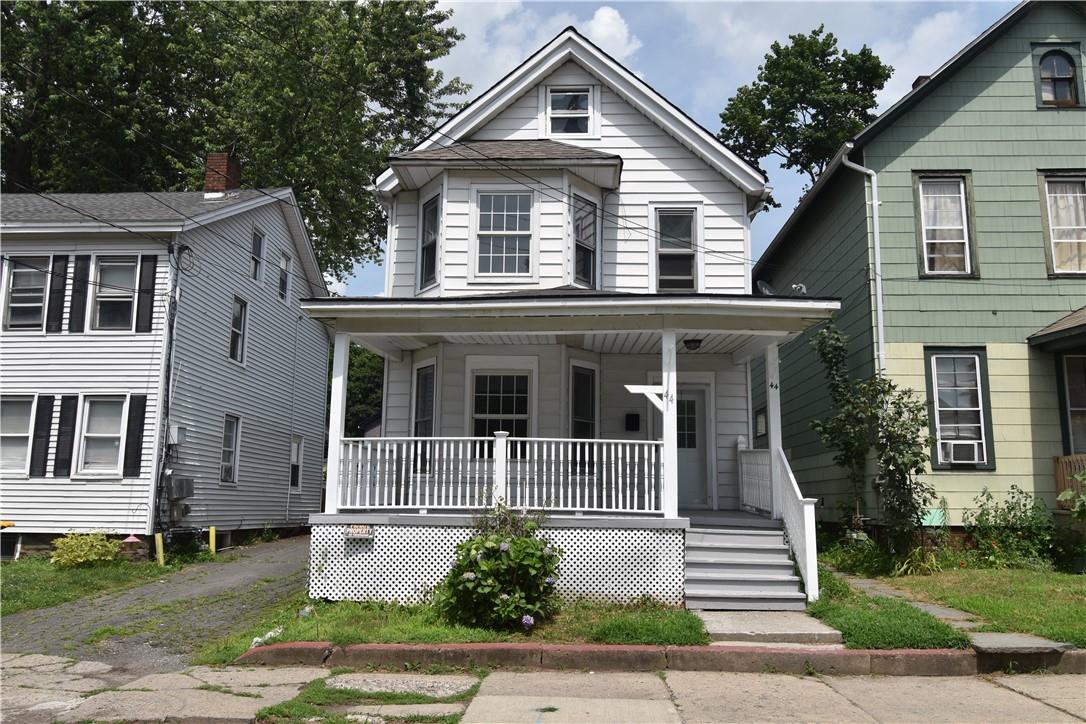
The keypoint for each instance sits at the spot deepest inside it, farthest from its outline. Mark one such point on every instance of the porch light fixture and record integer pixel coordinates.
(692, 345)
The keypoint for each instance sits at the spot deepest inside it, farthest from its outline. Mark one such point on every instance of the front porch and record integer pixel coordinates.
(627, 418)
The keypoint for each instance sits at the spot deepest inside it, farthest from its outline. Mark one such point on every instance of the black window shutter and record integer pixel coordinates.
(39, 449)
(62, 463)
(133, 443)
(57, 285)
(146, 304)
(77, 315)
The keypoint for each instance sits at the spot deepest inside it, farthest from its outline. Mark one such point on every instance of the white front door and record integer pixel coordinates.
(691, 412)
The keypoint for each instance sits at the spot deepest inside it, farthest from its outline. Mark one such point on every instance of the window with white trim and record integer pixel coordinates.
(505, 233)
(295, 460)
(101, 433)
(428, 242)
(1074, 371)
(569, 111)
(1067, 223)
(284, 276)
(425, 380)
(114, 293)
(501, 401)
(585, 213)
(958, 405)
(231, 443)
(28, 283)
(16, 422)
(237, 329)
(944, 225)
(583, 403)
(676, 258)
(256, 255)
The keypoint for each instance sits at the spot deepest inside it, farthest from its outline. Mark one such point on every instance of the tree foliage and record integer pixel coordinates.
(876, 416)
(314, 95)
(808, 99)
(365, 382)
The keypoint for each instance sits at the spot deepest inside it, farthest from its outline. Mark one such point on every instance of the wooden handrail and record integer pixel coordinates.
(1066, 467)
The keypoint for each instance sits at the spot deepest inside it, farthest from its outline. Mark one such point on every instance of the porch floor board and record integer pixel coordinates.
(728, 519)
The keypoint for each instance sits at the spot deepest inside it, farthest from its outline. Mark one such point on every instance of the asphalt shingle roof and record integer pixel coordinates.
(117, 207)
(1075, 319)
(536, 150)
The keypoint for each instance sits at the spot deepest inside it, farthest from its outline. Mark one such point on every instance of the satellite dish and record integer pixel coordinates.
(765, 290)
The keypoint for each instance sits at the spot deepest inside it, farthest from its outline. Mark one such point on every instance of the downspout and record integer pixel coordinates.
(879, 334)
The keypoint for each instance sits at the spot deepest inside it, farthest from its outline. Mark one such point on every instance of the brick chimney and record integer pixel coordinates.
(920, 80)
(223, 172)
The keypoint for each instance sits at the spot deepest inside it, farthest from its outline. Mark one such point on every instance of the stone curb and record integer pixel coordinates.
(602, 657)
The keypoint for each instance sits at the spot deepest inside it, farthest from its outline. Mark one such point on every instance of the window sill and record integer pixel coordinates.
(1058, 107)
(236, 362)
(517, 279)
(962, 467)
(15, 475)
(97, 477)
(1067, 275)
(945, 276)
(428, 287)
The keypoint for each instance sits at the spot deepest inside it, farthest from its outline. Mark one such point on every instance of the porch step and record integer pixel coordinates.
(734, 536)
(718, 583)
(747, 601)
(732, 551)
(701, 563)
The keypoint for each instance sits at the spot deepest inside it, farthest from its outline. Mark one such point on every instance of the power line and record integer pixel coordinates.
(20, 261)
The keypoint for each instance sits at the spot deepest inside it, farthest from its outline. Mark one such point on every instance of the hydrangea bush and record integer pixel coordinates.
(504, 577)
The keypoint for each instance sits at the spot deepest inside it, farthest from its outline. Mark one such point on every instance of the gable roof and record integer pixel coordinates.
(892, 114)
(570, 45)
(1072, 325)
(151, 212)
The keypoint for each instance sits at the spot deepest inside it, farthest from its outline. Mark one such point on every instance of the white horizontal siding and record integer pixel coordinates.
(280, 389)
(84, 363)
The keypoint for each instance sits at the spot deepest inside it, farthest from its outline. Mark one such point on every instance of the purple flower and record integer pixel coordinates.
(549, 580)
(504, 546)
(527, 622)
(479, 557)
(504, 597)
(469, 576)
(547, 550)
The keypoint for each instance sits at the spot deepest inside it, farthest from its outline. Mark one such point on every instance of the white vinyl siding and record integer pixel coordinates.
(1067, 223)
(114, 293)
(27, 284)
(945, 225)
(16, 425)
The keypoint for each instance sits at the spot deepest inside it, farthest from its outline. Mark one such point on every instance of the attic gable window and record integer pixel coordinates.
(569, 111)
(1058, 79)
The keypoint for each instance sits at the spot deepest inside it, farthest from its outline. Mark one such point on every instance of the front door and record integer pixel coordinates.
(693, 485)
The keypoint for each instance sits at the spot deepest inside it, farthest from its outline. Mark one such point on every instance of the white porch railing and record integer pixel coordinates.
(755, 480)
(459, 473)
(798, 514)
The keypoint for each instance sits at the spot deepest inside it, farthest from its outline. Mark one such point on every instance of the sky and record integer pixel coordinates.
(698, 53)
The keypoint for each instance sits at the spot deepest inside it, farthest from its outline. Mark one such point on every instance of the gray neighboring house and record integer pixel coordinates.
(156, 370)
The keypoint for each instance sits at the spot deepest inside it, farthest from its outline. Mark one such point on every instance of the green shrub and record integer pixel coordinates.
(504, 577)
(84, 549)
(1018, 532)
(861, 556)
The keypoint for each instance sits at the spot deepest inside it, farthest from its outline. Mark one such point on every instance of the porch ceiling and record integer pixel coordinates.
(739, 325)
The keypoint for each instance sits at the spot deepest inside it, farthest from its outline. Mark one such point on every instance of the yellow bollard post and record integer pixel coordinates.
(160, 552)
(211, 540)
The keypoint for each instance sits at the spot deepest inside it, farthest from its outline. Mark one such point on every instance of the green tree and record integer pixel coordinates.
(365, 383)
(808, 99)
(313, 95)
(876, 416)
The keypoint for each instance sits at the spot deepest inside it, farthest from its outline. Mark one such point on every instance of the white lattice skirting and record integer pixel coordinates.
(404, 562)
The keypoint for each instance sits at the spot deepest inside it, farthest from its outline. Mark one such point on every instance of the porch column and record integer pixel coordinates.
(669, 381)
(773, 422)
(337, 413)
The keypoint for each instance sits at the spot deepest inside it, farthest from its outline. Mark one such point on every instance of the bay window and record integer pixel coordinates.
(585, 213)
(428, 242)
(500, 402)
(504, 233)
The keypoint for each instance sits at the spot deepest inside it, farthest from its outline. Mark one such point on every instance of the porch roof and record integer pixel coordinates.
(741, 325)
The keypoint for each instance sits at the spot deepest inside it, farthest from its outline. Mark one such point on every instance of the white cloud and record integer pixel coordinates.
(608, 29)
(335, 287)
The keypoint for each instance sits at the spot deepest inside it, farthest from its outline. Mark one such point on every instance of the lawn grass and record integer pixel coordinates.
(875, 622)
(316, 694)
(1044, 603)
(348, 622)
(34, 582)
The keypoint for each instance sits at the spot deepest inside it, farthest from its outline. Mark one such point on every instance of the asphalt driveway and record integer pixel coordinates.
(157, 626)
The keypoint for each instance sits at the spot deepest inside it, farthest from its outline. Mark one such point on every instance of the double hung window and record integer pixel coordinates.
(256, 255)
(677, 260)
(583, 403)
(295, 460)
(28, 281)
(237, 329)
(945, 227)
(231, 440)
(424, 401)
(505, 233)
(16, 420)
(1066, 199)
(284, 276)
(428, 246)
(500, 403)
(585, 213)
(114, 293)
(958, 404)
(1074, 367)
(569, 111)
(1058, 83)
(102, 431)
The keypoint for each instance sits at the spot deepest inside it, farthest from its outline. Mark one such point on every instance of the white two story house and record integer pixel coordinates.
(156, 371)
(567, 325)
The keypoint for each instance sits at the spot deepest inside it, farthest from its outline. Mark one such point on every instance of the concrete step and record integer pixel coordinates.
(715, 564)
(697, 536)
(728, 552)
(718, 583)
(747, 601)
(729, 519)
(780, 628)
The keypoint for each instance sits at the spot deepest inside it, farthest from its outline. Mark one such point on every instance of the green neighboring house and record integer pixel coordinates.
(981, 224)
